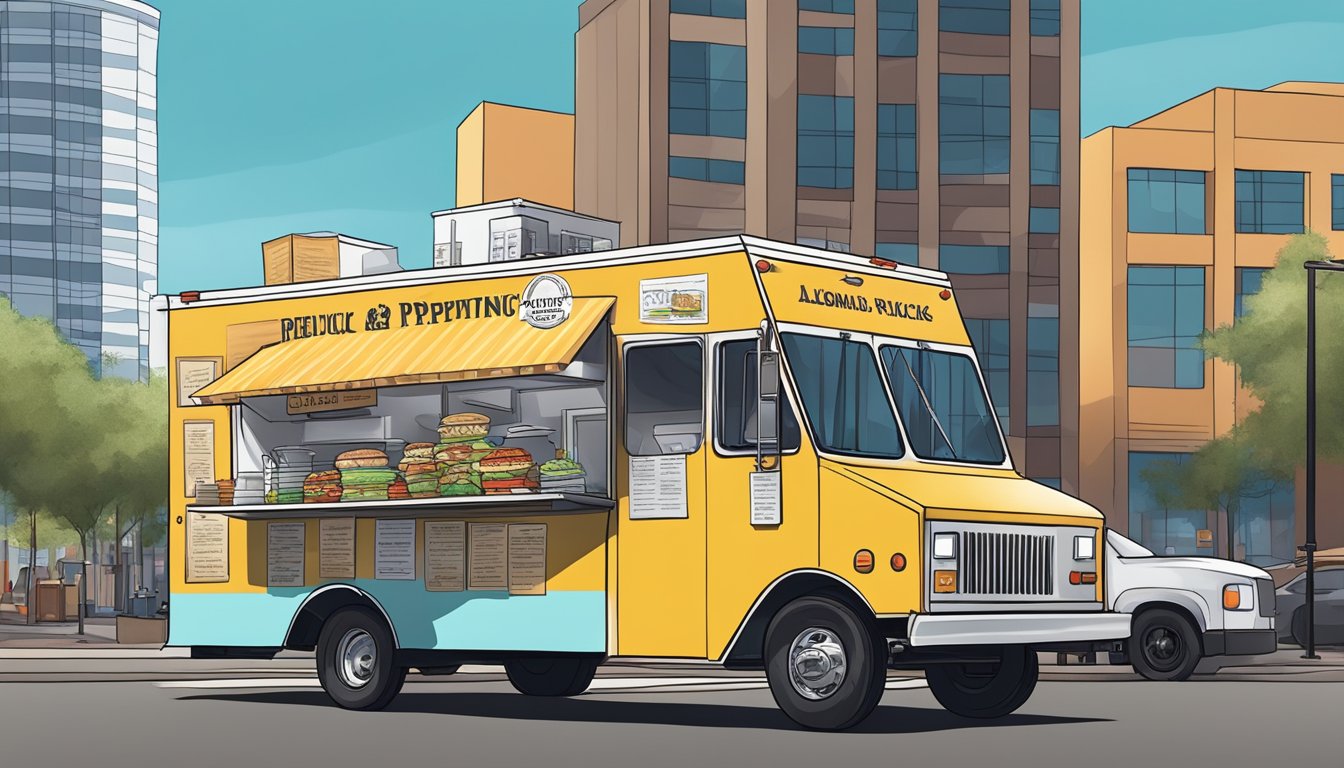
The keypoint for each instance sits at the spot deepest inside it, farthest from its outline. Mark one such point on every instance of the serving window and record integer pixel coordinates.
(478, 436)
(664, 398)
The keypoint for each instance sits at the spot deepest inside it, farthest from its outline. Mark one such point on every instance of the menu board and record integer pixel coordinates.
(527, 559)
(284, 554)
(198, 455)
(488, 557)
(336, 548)
(766, 498)
(207, 548)
(394, 550)
(193, 373)
(445, 555)
(657, 486)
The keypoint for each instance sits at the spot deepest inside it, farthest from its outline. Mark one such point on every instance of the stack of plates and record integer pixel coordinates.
(250, 488)
(207, 494)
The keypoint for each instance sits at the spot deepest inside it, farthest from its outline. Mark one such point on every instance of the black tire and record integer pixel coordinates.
(551, 675)
(1164, 645)
(827, 623)
(986, 690)
(373, 678)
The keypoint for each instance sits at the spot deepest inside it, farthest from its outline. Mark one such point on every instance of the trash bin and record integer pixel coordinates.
(50, 603)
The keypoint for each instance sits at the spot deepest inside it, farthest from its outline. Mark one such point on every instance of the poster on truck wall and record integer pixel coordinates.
(674, 300)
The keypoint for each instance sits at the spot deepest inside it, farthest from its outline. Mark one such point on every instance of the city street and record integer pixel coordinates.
(272, 713)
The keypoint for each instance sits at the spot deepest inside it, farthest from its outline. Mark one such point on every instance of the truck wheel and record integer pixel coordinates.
(1164, 645)
(986, 690)
(355, 661)
(826, 666)
(551, 675)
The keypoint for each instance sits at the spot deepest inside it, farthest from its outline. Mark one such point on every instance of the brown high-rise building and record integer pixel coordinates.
(942, 133)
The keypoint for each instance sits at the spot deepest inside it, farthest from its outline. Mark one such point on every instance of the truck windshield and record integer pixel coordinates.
(946, 413)
(843, 396)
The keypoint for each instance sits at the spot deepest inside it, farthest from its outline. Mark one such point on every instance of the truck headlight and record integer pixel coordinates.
(944, 546)
(1238, 597)
(1084, 548)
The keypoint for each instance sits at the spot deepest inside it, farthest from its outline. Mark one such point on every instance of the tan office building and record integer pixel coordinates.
(1182, 213)
(932, 132)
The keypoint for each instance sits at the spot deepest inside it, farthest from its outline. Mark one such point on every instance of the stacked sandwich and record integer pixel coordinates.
(420, 469)
(365, 475)
(321, 487)
(509, 470)
(459, 474)
(563, 475)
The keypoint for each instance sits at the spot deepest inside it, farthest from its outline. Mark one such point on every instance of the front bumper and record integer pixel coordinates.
(1240, 642)
(1016, 628)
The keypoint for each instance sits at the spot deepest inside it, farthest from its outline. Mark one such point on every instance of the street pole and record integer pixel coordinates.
(1311, 464)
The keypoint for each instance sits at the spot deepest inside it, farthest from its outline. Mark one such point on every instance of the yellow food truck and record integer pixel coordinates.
(731, 450)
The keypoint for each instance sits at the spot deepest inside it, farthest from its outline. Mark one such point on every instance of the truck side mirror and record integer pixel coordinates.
(768, 375)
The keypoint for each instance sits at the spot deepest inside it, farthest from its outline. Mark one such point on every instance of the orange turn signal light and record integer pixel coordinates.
(1082, 577)
(898, 562)
(863, 561)
(1231, 598)
(944, 581)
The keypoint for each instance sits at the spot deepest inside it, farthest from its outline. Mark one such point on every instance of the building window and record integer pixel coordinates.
(708, 89)
(1043, 221)
(1166, 201)
(1166, 317)
(664, 398)
(973, 124)
(1162, 529)
(1045, 18)
(1336, 201)
(1270, 202)
(827, 6)
(1249, 282)
(702, 169)
(828, 41)
(1043, 371)
(727, 9)
(1264, 524)
(897, 27)
(825, 141)
(901, 253)
(1050, 482)
(992, 348)
(1045, 146)
(826, 245)
(975, 17)
(973, 259)
(896, 163)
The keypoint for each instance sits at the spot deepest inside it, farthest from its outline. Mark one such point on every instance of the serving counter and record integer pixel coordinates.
(449, 506)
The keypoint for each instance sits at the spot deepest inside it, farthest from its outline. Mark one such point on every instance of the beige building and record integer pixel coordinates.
(1182, 213)
(506, 152)
(934, 132)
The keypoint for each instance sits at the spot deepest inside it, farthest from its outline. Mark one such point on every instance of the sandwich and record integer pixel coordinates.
(398, 490)
(563, 474)
(321, 487)
(366, 483)
(416, 452)
(422, 477)
(460, 480)
(508, 470)
(362, 457)
(687, 303)
(463, 428)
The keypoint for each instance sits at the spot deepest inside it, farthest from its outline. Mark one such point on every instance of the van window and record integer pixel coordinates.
(664, 398)
(737, 400)
(946, 413)
(842, 392)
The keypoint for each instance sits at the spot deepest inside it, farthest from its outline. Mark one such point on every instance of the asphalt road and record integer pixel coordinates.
(480, 721)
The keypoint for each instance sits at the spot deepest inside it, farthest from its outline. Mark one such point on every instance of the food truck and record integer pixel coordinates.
(737, 451)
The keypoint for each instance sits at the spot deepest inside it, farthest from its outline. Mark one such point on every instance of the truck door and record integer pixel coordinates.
(660, 558)
(744, 558)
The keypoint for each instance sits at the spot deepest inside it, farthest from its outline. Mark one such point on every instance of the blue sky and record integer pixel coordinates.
(304, 115)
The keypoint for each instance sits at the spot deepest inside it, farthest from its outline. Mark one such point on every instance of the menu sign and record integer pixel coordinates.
(527, 559)
(445, 555)
(394, 550)
(488, 557)
(336, 548)
(657, 486)
(193, 373)
(207, 548)
(284, 554)
(317, 402)
(198, 454)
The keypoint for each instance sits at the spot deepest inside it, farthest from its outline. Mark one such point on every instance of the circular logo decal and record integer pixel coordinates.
(546, 302)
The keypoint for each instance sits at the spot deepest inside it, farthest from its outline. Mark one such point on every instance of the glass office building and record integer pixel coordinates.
(79, 172)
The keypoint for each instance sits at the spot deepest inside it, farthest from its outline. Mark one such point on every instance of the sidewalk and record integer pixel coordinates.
(98, 631)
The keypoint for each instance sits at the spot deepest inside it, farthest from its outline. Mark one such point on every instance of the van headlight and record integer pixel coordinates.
(944, 546)
(1084, 547)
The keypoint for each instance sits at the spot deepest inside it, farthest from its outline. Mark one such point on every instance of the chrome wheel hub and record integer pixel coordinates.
(816, 663)
(356, 657)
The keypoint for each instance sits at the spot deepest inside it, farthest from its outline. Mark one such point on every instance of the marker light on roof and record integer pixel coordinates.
(763, 266)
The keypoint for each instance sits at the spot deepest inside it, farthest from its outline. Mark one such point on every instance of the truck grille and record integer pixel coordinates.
(1007, 564)
(1264, 596)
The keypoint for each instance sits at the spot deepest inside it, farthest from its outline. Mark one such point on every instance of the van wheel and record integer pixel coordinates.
(355, 661)
(551, 675)
(1164, 645)
(826, 665)
(986, 690)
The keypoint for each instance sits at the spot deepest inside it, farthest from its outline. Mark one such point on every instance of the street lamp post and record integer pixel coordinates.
(1309, 546)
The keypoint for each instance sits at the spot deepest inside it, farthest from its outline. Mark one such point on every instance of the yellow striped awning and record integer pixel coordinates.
(480, 348)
